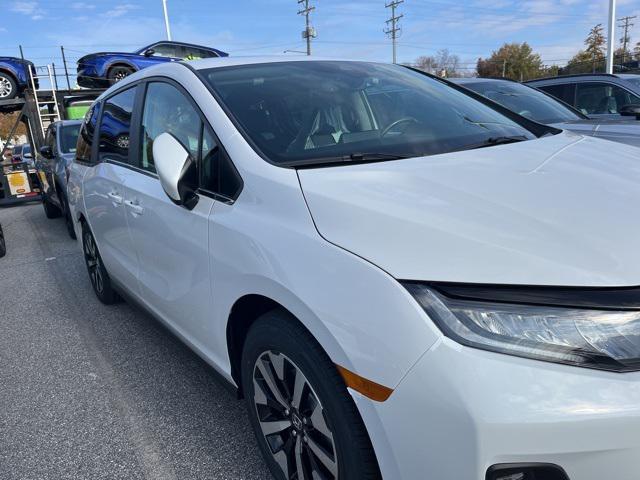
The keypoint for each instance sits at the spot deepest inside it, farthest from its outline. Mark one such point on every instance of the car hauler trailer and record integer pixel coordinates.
(37, 109)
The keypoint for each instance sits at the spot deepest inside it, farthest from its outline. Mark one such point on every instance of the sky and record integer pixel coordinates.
(346, 29)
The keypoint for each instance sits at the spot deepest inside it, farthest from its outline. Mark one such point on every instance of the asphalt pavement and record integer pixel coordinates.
(89, 391)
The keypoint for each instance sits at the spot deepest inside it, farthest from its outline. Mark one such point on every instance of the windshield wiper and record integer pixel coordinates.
(347, 159)
(493, 141)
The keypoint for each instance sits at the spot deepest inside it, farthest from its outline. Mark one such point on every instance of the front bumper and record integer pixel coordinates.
(460, 410)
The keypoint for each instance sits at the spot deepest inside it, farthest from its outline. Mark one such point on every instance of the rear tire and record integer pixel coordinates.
(118, 73)
(8, 87)
(98, 275)
(50, 210)
(317, 433)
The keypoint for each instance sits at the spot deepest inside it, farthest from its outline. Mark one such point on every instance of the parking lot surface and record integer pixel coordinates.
(89, 391)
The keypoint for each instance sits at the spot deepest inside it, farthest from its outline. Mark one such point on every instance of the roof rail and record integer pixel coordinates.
(573, 75)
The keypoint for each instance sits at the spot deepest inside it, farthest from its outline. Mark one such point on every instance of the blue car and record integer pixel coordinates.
(14, 77)
(100, 70)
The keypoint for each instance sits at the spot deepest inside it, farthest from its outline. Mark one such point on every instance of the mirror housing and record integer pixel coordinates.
(46, 152)
(630, 111)
(149, 52)
(176, 170)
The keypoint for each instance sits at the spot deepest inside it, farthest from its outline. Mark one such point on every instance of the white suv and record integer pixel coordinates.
(391, 299)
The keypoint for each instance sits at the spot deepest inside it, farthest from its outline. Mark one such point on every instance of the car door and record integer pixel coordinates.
(104, 187)
(171, 241)
(45, 166)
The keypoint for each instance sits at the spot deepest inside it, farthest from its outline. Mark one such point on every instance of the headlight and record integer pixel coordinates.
(601, 339)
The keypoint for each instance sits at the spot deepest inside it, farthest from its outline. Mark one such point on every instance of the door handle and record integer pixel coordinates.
(115, 198)
(135, 208)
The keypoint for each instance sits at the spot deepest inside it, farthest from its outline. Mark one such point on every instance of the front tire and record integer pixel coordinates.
(306, 423)
(8, 87)
(98, 275)
(117, 73)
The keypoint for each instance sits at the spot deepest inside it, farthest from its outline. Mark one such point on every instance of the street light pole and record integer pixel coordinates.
(166, 19)
(612, 35)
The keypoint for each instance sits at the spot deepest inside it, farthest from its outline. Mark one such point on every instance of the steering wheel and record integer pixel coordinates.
(400, 121)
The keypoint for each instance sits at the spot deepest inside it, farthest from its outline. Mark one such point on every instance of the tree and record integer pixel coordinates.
(595, 43)
(517, 61)
(636, 51)
(442, 62)
(592, 57)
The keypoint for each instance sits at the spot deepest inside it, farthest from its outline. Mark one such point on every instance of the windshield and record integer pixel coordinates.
(526, 101)
(296, 112)
(69, 138)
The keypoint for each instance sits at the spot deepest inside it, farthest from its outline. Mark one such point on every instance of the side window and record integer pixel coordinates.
(565, 92)
(115, 126)
(166, 109)
(603, 98)
(193, 53)
(87, 131)
(218, 173)
(165, 50)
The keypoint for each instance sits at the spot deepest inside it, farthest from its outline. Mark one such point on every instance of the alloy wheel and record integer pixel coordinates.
(120, 75)
(292, 420)
(6, 88)
(94, 265)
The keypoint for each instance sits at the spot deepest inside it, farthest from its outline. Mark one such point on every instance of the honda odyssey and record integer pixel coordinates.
(403, 279)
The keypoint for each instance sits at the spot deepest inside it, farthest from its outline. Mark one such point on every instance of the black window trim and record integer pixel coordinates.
(204, 122)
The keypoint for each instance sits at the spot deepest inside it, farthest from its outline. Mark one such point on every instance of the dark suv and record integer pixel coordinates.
(14, 76)
(596, 94)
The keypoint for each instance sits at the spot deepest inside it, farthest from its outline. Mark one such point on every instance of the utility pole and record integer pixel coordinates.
(309, 32)
(612, 35)
(626, 25)
(166, 19)
(393, 29)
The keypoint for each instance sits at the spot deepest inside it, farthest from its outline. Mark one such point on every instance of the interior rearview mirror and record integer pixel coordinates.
(176, 170)
(149, 52)
(46, 152)
(631, 111)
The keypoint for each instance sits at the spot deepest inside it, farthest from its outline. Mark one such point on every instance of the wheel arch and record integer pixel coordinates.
(248, 308)
(118, 63)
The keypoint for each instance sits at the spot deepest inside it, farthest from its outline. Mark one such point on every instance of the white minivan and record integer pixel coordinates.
(402, 279)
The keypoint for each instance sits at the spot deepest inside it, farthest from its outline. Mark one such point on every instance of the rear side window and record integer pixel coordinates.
(600, 98)
(115, 127)
(565, 92)
(85, 139)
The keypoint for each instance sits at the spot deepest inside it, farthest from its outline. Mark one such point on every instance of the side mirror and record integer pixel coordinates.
(630, 111)
(46, 152)
(149, 52)
(176, 170)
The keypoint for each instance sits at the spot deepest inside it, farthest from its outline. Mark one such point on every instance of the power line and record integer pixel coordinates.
(392, 25)
(309, 32)
(626, 25)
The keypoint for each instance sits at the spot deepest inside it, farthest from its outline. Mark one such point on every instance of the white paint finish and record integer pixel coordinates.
(173, 273)
(554, 211)
(521, 213)
(171, 160)
(103, 194)
(471, 409)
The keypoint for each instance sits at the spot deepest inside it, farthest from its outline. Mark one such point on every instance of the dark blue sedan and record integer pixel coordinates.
(104, 69)
(14, 76)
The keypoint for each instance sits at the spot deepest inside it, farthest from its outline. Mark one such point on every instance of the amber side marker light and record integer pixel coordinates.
(369, 389)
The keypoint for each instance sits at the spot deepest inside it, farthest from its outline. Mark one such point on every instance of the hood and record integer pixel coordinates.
(621, 129)
(93, 56)
(562, 210)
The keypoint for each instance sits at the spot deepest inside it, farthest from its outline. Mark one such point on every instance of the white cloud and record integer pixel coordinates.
(31, 9)
(120, 10)
(82, 6)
